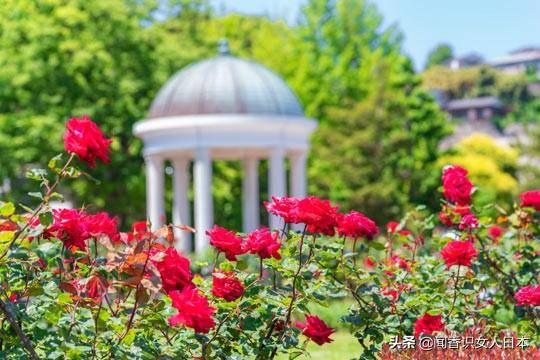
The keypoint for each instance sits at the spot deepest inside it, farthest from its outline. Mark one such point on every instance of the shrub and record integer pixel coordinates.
(73, 285)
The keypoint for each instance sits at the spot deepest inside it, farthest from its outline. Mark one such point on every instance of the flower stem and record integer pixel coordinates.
(456, 291)
(12, 319)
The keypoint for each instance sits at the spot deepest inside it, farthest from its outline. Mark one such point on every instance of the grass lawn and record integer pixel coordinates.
(343, 347)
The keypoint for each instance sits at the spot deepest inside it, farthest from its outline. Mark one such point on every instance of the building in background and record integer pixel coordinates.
(518, 61)
(477, 115)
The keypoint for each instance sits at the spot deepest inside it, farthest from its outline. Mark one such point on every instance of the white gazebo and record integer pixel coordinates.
(222, 108)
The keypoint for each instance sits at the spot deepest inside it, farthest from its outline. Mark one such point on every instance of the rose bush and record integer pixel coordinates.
(73, 285)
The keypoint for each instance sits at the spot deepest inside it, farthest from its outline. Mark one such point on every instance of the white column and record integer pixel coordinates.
(204, 212)
(276, 181)
(250, 195)
(180, 210)
(155, 187)
(298, 179)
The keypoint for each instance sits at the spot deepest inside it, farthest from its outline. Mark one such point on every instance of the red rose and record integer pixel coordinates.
(193, 310)
(495, 232)
(456, 185)
(264, 243)
(462, 210)
(102, 224)
(446, 219)
(84, 138)
(69, 225)
(400, 262)
(356, 224)
(316, 329)
(226, 241)
(391, 228)
(528, 295)
(369, 263)
(468, 222)
(318, 215)
(283, 207)
(428, 324)
(530, 199)
(458, 253)
(226, 286)
(8, 225)
(140, 230)
(174, 271)
(388, 291)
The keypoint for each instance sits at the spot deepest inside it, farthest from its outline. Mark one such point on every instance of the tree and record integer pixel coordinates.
(104, 58)
(439, 55)
(378, 135)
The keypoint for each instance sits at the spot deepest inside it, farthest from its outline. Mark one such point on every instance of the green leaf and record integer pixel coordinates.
(376, 245)
(7, 209)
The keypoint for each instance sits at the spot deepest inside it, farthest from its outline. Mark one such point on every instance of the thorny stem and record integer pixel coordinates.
(39, 208)
(215, 262)
(456, 291)
(204, 346)
(137, 290)
(260, 269)
(293, 297)
(11, 317)
(96, 330)
(354, 250)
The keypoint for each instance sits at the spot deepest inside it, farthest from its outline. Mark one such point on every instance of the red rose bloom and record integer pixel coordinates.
(84, 138)
(318, 215)
(174, 271)
(8, 225)
(264, 243)
(456, 185)
(369, 263)
(468, 222)
(530, 199)
(226, 286)
(316, 329)
(400, 262)
(102, 224)
(495, 232)
(69, 225)
(226, 241)
(388, 291)
(458, 253)
(283, 207)
(391, 228)
(356, 224)
(528, 295)
(428, 324)
(140, 230)
(446, 219)
(193, 310)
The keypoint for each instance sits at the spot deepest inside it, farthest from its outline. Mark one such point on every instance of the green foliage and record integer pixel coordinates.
(482, 80)
(439, 55)
(378, 129)
(108, 59)
(108, 300)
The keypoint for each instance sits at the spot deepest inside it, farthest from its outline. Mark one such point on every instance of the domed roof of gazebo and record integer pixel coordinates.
(225, 84)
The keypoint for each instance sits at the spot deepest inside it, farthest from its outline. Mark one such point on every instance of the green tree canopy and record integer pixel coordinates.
(377, 143)
(439, 55)
(108, 58)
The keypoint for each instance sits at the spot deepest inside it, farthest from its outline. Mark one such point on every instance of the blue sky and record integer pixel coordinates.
(491, 28)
